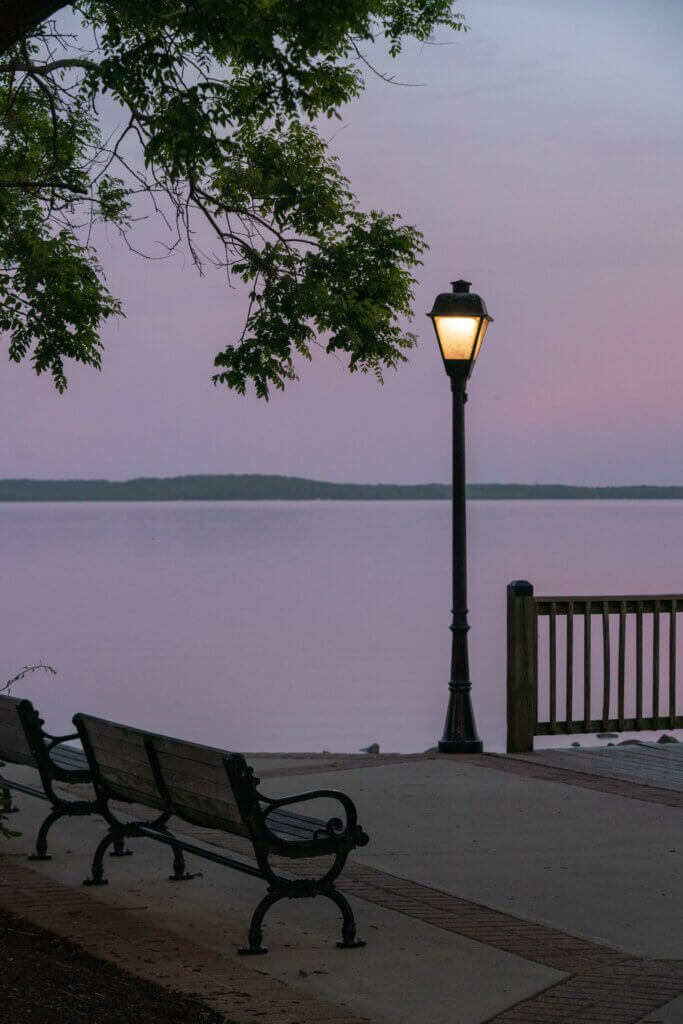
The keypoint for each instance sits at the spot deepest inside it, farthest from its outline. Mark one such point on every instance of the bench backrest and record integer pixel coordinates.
(195, 781)
(165, 773)
(14, 743)
(118, 759)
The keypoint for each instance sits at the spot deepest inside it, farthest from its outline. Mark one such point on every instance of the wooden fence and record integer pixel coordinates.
(607, 664)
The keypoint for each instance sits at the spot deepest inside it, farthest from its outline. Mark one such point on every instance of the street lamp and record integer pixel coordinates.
(460, 320)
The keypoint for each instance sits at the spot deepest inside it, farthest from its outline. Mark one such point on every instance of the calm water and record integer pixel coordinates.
(296, 626)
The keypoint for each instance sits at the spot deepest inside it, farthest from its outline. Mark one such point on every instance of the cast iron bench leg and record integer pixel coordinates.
(120, 848)
(117, 839)
(41, 840)
(255, 928)
(97, 869)
(74, 810)
(180, 874)
(348, 940)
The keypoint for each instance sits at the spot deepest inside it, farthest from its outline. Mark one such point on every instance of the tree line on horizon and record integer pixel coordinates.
(257, 487)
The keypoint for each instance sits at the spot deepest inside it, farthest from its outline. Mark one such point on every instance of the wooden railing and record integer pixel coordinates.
(620, 681)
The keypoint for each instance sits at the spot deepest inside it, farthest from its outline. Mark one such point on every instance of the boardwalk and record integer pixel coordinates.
(647, 764)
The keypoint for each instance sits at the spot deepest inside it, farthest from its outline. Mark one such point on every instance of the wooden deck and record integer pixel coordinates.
(647, 764)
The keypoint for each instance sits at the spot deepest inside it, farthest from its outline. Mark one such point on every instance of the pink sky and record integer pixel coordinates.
(541, 156)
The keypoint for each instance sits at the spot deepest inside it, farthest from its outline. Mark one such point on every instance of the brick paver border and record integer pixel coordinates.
(605, 985)
(223, 982)
(336, 762)
(584, 780)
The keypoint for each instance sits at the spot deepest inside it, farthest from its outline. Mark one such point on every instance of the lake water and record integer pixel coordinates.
(296, 625)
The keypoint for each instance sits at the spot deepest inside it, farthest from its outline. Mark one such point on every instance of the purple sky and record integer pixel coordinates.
(542, 157)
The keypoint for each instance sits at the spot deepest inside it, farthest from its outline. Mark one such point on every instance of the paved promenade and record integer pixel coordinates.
(520, 890)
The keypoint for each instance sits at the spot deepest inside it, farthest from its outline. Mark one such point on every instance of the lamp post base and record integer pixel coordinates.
(461, 746)
(460, 730)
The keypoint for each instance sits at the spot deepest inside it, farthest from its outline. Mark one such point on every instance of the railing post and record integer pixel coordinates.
(522, 666)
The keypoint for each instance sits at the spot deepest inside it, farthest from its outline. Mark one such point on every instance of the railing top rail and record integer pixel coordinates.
(614, 602)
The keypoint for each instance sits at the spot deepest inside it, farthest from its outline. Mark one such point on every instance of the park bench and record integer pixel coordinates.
(216, 790)
(23, 741)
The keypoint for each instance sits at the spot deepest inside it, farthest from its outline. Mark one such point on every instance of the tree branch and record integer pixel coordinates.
(20, 17)
(44, 184)
(46, 69)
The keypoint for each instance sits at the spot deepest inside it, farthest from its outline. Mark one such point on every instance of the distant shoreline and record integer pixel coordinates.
(256, 487)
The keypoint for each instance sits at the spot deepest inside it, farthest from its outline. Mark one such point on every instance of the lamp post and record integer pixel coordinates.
(460, 320)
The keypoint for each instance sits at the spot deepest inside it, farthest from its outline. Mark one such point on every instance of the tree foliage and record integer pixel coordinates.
(220, 105)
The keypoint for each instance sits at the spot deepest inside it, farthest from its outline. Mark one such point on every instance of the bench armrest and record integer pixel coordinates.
(54, 741)
(334, 826)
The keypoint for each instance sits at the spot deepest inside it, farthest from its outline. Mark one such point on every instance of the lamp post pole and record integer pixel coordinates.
(460, 320)
(460, 731)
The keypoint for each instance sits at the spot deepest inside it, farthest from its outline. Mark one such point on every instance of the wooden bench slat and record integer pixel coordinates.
(195, 779)
(289, 829)
(8, 708)
(123, 747)
(120, 760)
(14, 745)
(133, 760)
(185, 787)
(10, 724)
(118, 738)
(66, 757)
(130, 784)
(210, 814)
(130, 794)
(123, 766)
(17, 756)
(128, 751)
(282, 812)
(188, 756)
(138, 777)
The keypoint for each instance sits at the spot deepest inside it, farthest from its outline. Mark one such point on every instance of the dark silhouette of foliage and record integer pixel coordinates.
(220, 104)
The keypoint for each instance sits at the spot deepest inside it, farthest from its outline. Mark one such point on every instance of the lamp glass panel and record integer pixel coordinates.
(457, 335)
(482, 332)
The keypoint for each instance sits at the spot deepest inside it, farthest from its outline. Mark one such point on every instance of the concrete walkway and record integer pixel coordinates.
(514, 890)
